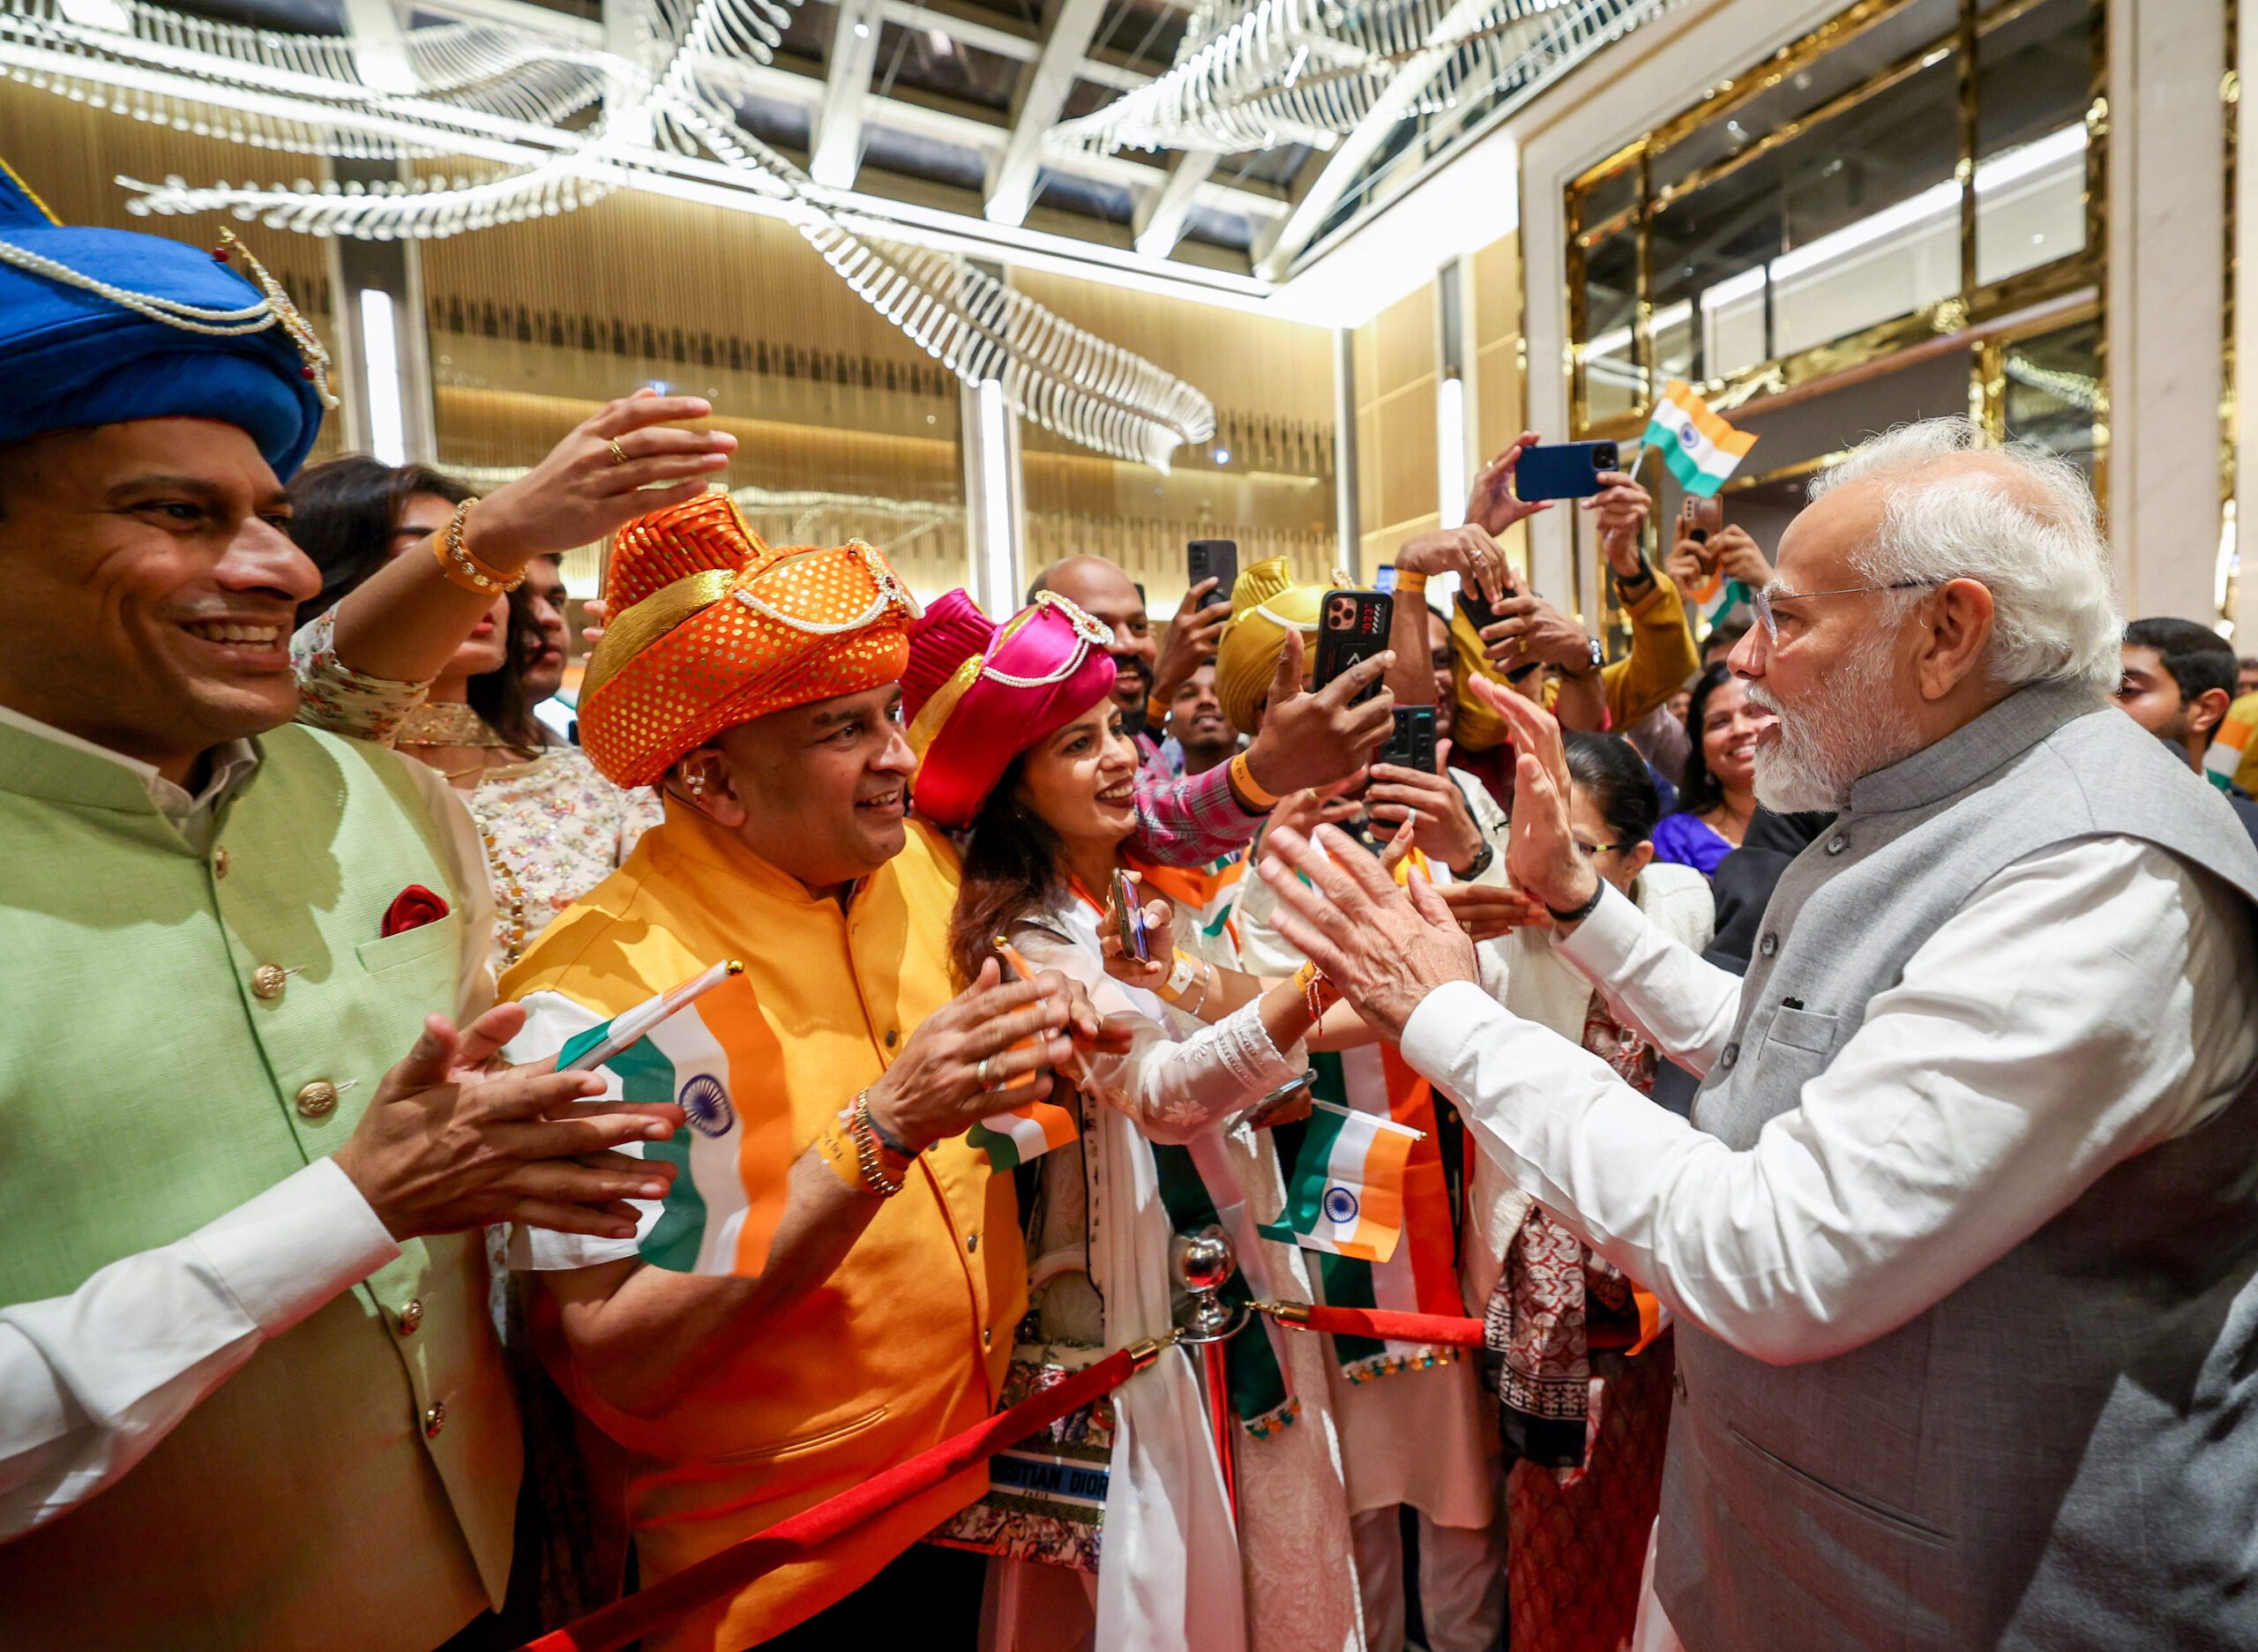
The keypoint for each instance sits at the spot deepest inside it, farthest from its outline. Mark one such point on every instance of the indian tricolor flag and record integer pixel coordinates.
(1028, 1132)
(705, 1047)
(1346, 1195)
(2224, 757)
(1700, 449)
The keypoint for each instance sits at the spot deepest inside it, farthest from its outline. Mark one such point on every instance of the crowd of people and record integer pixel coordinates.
(1830, 1041)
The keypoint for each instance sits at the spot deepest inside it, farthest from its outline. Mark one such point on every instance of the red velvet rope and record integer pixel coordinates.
(792, 1539)
(1384, 1325)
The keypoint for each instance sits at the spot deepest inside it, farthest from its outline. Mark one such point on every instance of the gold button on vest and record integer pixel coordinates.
(219, 863)
(268, 980)
(434, 1419)
(410, 1317)
(318, 1100)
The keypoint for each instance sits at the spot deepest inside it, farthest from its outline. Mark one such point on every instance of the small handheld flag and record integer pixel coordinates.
(1697, 445)
(719, 1215)
(1346, 1193)
(2223, 760)
(1010, 1138)
(623, 1032)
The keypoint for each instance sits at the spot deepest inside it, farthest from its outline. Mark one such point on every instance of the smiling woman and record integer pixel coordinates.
(553, 827)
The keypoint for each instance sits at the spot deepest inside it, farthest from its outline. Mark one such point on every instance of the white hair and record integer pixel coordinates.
(2022, 524)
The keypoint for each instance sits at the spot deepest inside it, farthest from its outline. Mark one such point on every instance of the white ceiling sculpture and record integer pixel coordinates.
(485, 91)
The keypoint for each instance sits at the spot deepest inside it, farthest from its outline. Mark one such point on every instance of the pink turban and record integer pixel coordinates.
(978, 694)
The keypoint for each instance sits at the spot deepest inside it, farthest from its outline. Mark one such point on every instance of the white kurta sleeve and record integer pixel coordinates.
(90, 1382)
(1685, 1005)
(2089, 1002)
(1175, 1088)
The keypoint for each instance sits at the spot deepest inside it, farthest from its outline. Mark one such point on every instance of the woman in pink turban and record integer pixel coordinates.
(1021, 750)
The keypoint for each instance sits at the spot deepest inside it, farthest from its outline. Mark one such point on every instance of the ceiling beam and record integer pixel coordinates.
(1159, 221)
(989, 34)
(836, 148)
(1346, 163)
(1043, 95)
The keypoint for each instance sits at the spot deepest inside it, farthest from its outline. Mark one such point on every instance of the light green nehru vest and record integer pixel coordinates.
(145, 1089)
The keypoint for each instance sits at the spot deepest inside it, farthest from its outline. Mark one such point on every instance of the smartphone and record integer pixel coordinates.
(1132, 918)
(1216, 559)
(1351, 626)
(1698, 518)
(1384, 578)
(1412, 745)
(1565, 470)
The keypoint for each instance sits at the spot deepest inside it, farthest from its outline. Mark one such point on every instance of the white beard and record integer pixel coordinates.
(1848, 729)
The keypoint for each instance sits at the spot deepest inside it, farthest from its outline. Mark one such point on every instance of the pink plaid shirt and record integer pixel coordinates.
(1191, 821)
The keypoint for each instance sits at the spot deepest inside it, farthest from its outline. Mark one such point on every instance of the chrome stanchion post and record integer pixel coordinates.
(1203, 1263)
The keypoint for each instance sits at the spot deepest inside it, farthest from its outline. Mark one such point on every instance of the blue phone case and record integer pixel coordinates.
(1565, 470)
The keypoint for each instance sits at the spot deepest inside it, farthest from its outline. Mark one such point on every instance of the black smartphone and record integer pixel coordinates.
(1412, 745)
(1351, 627)
(1216, 559)
(1565, 470)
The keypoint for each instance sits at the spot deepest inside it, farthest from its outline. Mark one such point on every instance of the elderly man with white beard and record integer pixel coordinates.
(1962, 1238)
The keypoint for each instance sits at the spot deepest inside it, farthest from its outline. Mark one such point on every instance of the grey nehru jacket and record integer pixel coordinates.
(2063, 1454)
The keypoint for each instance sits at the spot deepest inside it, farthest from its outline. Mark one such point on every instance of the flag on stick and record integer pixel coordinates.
(1030, 1129)
(2224, 758)
(700, 1051)
(1697, 445)
(1346, 1193)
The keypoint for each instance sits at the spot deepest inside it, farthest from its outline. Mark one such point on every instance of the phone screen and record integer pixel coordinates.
(1132, 918)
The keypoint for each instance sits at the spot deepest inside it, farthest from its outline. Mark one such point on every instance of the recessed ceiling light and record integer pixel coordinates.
(1223, 455)
(861, 30)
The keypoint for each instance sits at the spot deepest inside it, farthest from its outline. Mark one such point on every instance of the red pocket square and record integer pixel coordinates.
(412, 908)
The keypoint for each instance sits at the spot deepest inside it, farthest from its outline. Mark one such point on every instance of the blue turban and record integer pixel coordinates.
(70, 358)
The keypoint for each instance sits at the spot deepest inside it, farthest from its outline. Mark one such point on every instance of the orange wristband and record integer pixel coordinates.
(1241, 779)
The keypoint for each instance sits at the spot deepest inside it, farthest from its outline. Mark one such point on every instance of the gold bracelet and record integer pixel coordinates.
(465, 569)
(1410, 584)
(871, 1153)
(1243, 781)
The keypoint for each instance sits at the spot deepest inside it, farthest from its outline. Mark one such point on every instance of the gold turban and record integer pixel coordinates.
(710, 628)
(1266, 603)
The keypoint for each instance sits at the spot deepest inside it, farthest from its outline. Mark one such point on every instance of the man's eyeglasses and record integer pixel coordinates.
(1589, 849)
(1762, 601)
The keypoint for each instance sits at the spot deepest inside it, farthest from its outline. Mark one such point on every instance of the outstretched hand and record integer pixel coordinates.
(1386, 948)
(580, 492)
(1541, 847)
(1311, 739)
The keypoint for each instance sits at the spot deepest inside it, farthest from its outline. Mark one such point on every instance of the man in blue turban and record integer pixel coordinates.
(249, 1394)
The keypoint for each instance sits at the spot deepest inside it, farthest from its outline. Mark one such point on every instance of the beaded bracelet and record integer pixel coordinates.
(463, 569)
(870, 1153)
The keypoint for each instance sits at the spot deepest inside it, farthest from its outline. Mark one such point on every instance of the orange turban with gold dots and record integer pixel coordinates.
(709, 628)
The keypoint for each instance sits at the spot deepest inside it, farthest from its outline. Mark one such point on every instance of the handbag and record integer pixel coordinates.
(1046, 1493)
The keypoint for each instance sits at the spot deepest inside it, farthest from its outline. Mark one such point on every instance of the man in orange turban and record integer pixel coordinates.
(834, 1287)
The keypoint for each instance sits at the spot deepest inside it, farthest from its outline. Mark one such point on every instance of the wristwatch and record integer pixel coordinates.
(1644, 576)
(1483, 856)
(1598, 659)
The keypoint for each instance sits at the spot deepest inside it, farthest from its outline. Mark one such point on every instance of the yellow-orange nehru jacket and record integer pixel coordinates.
(710, 628)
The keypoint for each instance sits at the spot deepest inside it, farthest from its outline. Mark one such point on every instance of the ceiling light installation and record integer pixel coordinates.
(1253, 73)
(562, 128)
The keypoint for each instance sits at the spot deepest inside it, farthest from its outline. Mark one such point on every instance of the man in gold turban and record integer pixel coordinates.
(834, 1286)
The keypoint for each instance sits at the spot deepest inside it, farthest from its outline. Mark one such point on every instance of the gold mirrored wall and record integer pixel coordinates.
(71, 155)
(1914, 168)
(1897, 216)
(1266, 480)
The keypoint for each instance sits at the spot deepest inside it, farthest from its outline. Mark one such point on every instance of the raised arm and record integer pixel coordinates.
(405, 623)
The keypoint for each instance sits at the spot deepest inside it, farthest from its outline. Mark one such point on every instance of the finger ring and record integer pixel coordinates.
(980, 1073)
(618, 453)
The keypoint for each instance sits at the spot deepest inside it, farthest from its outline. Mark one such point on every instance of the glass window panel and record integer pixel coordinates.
(1603, 199)
(1870, 214)
(1711, 252)
(1613, 384)
(2034, 79)
(1896, 39)
(2052, 391)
